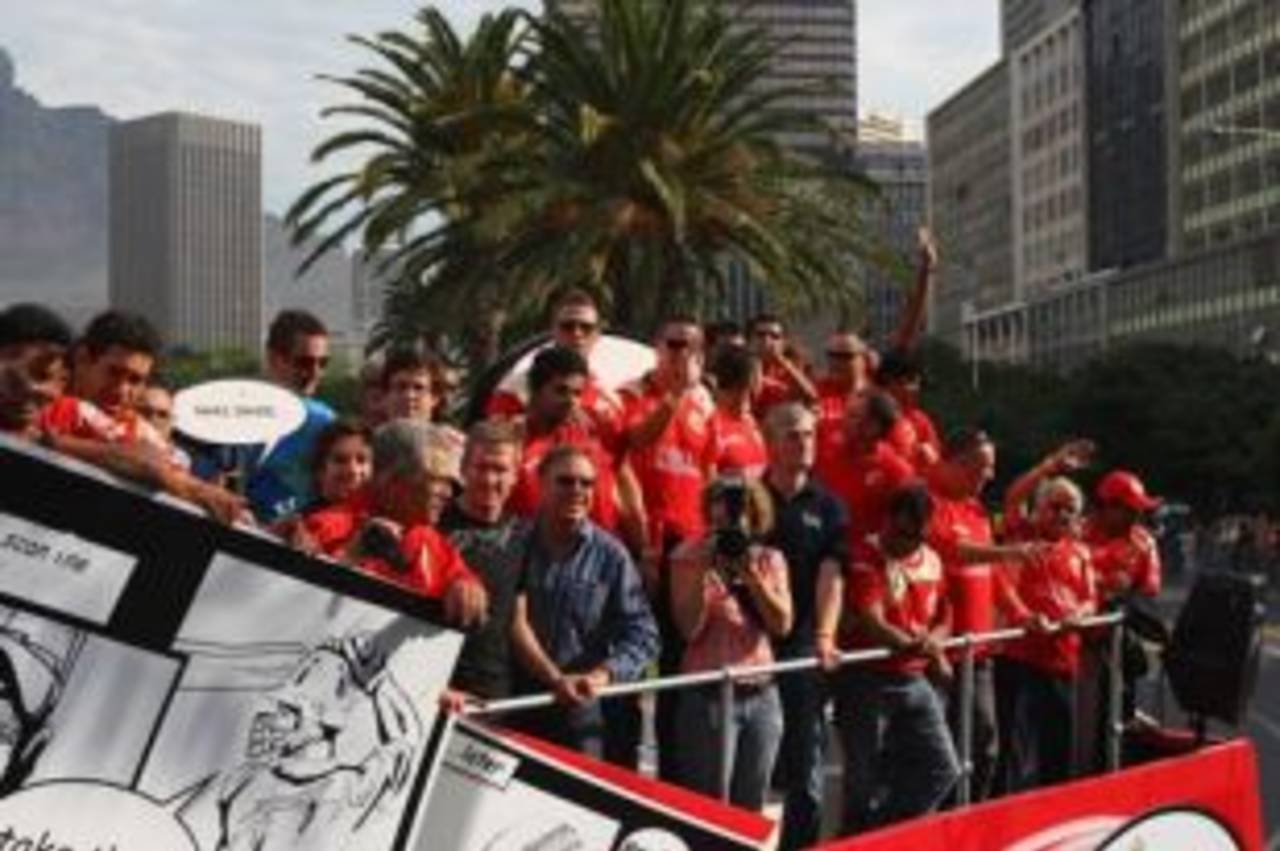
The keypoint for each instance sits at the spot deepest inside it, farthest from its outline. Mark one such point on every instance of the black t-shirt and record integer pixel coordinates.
(809, 528)
(496, 553)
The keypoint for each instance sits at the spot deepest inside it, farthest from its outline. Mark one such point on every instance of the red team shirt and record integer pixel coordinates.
(672, 471)
(70, 416)
(528, 491)
(1057, 583)
(736, 445)
(602, 405)
(865, 482)
(1134, 557)
(971, 587)
(434, 563)
(832, 402)
(916, 439)
(912, 591)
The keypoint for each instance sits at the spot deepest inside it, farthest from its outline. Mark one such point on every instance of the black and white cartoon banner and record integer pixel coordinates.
(169, 684)
(494, 791)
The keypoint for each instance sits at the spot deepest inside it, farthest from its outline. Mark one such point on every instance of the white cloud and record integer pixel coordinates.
(257, 61)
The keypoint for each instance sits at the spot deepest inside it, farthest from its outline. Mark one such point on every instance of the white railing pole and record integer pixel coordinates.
(726, 732)
(965, 746)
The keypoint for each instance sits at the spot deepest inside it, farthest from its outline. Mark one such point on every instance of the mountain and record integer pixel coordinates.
(53, 200)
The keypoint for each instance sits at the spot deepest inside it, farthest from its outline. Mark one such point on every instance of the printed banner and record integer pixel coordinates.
(496, 791)
(1204, 801)
(168, 684)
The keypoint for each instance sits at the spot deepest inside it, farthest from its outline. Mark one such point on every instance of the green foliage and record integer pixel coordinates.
(185, 369)
(529, 157)
(1200, 425)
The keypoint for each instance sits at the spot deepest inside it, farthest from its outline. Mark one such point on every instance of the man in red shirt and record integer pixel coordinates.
(848, 375)
(385, 532)
(737, 444)
(668, 432)
(890, 719)
(33, 350)
(1052, 593)
(863, 470)
(557, 381)
(1125, 556)
(783, 379)
(915, 437)
(575, 324)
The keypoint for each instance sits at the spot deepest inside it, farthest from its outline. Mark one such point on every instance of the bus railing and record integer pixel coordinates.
(967, 644)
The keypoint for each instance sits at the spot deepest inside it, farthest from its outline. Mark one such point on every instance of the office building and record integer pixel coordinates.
(1023, 20)
(1128, 159)
(899, 166)
(186, 242)
(1226, 138)
(971, 202)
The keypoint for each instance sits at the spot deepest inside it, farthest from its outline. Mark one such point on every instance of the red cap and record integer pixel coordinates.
(1127, 489)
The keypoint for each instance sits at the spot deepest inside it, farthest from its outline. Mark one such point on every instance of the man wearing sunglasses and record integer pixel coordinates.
(575, 324)
(297, 356)
(582, 620)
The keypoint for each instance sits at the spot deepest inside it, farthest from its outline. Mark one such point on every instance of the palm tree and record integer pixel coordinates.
(640, 162)
(658, 164)
(434, 115)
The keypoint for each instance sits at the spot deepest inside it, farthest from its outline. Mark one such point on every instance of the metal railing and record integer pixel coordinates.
(967, 644)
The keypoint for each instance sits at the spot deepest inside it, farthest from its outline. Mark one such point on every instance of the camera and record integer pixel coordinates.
(731, 538)
(377, 541)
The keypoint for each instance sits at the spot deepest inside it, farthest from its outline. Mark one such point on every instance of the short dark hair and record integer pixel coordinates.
(912, 500)
(965, 440)
(575, 297)
(405, 360)
(289, 325)
(127, 331)
(561, 453)
(881, 408)
(25, 324)
(555, 362)
(764, 318)
(732, 368)
(899, 364)
(717, 331)
(334, 432)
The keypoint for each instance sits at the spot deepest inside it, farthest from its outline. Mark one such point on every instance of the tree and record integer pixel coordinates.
(436, 113)
(531, 157)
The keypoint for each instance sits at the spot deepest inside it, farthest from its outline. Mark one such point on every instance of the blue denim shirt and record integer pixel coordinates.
(589, 608)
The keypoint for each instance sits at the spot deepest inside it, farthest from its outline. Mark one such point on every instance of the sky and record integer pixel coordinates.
(257, 60)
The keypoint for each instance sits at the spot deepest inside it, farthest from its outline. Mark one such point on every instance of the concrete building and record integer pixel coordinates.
(1050, 210)
(971, 203)
(186, 245)
(899, 165)
(818, 49)
(1128, 162)
(1226, 136)
(1023, 20)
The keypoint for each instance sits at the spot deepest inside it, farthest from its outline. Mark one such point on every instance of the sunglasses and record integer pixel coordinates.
(571, 326)
(309, 362)
(677, 344)
(769, 334)
(842, 356)
(155, 413)
(568, 482)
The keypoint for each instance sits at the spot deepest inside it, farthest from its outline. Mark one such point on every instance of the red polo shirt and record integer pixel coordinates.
(1133, 557)
(916, 439)
(971, 586)
(528, 490)
(865, 481)
(601, 404)
(434, 563)
(672, 471)
(74, 417)
(833, 400)
(1057, 583)
(912, 591)
(736, 445)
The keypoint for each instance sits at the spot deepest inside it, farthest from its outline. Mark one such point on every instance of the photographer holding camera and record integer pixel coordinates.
(729, 596)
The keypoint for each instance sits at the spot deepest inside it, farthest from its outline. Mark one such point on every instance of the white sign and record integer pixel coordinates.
(60, 570)
(238, 412)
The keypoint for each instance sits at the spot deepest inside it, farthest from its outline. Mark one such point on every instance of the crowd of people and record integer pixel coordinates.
(734, 507)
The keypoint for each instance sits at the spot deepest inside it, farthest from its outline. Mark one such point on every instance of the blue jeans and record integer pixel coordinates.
(802, 757)
(753, 745)
(899, 760)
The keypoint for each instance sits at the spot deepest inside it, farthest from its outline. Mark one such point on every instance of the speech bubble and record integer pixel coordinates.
(238, 412)
(87, 816)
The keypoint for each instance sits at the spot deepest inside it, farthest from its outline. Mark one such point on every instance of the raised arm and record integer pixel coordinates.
(913, 316)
